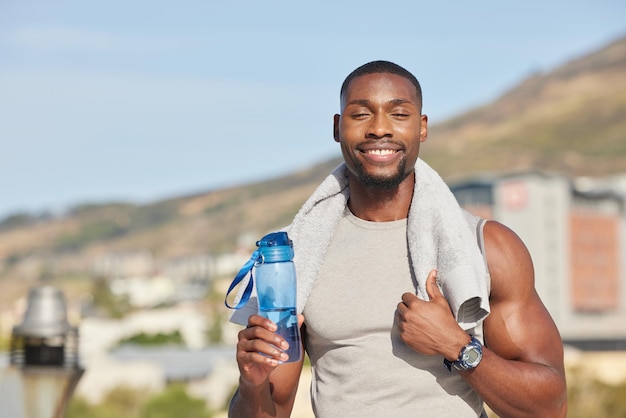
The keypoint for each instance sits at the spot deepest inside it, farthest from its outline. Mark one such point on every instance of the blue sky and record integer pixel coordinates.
(143, 100)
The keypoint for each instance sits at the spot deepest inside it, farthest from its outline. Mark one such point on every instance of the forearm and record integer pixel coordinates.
(518, 389)
(254, 402)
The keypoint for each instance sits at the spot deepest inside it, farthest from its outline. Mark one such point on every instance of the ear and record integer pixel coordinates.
(336, 127)
(423, 128)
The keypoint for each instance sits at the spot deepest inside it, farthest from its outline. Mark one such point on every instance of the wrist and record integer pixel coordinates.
(454, 350)
(251, 399)
(469, 357)
(249, 388)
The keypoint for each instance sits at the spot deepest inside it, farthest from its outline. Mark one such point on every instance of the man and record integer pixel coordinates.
(385, 298)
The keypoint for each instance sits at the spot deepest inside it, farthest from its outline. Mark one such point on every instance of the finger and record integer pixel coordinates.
(300, 320)
(401, 308)
(401, 312)
(409, 298)
(260, 340)
(265, 332)
(259, 321)
(432, 289)
(258, 351)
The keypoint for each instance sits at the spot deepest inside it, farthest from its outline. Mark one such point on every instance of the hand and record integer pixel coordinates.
(429, 327)
(259, 349)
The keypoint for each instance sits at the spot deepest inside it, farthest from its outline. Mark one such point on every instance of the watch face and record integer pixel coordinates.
(471, 356)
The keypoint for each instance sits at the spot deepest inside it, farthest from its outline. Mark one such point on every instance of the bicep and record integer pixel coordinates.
(519, 326)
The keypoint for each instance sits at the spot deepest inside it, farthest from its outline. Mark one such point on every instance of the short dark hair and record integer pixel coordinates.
(377, 67)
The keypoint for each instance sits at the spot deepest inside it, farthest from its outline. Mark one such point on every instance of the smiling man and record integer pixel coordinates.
(385, 111)
(409, 305)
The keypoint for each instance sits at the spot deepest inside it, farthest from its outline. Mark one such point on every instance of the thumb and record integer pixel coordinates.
(431, 286)
(300, 320)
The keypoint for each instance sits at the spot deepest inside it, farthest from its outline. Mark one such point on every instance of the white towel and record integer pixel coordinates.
(437, 232)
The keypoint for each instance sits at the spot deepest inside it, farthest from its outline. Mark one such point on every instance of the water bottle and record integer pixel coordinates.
(276, 289)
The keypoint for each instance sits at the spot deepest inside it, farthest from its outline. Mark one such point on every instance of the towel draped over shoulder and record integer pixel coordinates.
(438, 236)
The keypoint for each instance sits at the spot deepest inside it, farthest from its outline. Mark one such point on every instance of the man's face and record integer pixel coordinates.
(380, 129)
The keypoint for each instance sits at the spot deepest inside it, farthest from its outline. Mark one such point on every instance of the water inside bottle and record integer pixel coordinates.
(287, 322)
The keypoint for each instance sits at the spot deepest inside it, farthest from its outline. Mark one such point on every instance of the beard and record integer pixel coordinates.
(386, 183)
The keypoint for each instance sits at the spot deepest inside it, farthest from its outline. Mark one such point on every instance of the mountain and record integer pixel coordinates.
(570, 120)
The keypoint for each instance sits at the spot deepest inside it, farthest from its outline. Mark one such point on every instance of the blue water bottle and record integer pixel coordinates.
(275, 286)
(276, 289)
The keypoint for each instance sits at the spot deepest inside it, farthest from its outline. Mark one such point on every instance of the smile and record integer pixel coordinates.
(380, 151)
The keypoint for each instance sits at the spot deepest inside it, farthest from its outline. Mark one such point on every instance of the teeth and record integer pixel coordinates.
(380, 151)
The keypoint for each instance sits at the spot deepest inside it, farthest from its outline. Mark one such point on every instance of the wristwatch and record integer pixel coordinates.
(469, 357)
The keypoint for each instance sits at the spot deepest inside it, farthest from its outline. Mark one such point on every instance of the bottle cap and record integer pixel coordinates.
(275, 247)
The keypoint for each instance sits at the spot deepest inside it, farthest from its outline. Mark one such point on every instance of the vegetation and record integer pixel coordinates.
(106, 302)
(589, 397)
(215, 332)
(173, 338)
(110, 221)
(5, 342)
(91, 232)
(120, 402)
(20, 219)
(173, 402)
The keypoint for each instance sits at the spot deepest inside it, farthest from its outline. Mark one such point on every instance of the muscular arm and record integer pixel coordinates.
(522, 372)
(266, 388)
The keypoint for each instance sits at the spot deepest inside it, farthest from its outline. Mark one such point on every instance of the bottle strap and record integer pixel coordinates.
(247, 268)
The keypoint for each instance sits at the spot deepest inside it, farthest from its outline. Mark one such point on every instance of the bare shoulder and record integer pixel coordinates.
(509, 261)
(519, 326)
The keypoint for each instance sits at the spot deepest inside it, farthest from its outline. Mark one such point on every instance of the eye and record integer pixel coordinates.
(400, 113)
(360, 115)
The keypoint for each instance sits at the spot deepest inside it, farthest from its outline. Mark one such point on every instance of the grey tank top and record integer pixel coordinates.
(361, 367)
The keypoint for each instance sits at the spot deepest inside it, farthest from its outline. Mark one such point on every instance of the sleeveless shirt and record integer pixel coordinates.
(361, 367)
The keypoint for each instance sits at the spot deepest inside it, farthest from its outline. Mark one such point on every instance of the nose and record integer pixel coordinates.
(379, 127)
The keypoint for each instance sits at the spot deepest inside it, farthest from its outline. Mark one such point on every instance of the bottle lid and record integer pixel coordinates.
(275, 247)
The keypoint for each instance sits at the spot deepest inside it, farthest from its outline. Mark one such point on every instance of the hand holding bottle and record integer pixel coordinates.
(260, 349)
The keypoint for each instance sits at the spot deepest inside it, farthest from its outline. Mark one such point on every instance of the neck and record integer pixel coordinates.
(380, 205)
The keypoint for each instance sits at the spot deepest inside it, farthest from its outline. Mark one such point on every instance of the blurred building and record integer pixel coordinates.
(149, 282)
(576, 234)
